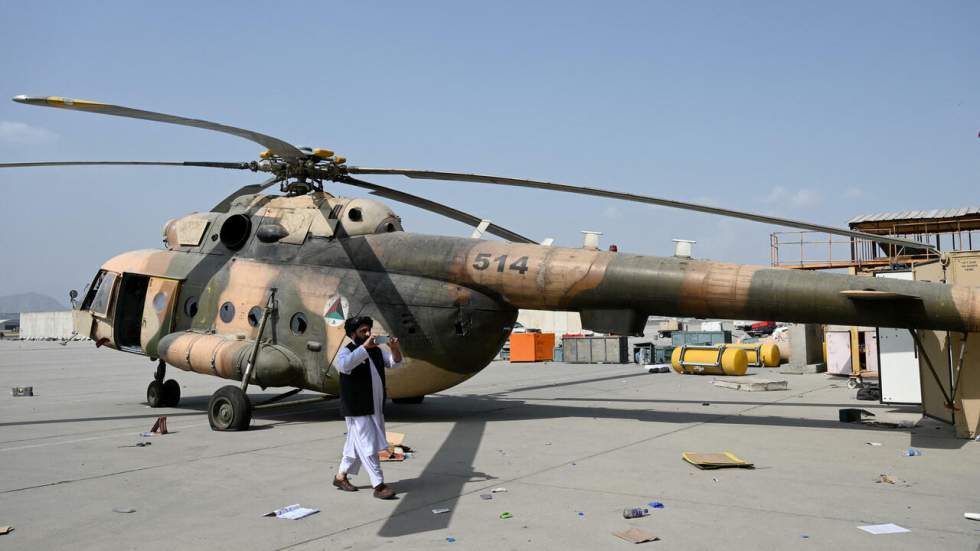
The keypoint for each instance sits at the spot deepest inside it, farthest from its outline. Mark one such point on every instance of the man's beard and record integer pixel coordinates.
(359, 341)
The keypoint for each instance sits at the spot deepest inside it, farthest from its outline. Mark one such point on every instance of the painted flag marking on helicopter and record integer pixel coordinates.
(336, 310)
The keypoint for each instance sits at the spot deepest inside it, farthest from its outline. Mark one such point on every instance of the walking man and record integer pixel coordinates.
(362, 366)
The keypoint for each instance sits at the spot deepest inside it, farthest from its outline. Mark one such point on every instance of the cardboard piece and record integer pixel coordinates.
(753, 385)
(636, 535)
(6, 530)
(715, 460)
(397, 450)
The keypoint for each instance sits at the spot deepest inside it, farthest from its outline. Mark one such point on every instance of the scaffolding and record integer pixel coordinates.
(946, 230)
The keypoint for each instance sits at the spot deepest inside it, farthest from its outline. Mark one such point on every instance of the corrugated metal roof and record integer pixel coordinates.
(915, 215)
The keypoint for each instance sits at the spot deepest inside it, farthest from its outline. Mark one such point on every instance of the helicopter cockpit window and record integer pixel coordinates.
(103, 293)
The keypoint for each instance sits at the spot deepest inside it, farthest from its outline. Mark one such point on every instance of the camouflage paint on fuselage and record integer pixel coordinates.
(452, 301)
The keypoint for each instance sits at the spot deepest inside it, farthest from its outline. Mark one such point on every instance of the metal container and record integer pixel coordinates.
(22, 391)
(586, 350)
(700, 338)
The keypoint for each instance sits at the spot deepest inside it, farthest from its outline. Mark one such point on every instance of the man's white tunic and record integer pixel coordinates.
(365, 433)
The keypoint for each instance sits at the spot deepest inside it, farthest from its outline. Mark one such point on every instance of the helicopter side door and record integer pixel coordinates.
(143, 312)
(158, 312)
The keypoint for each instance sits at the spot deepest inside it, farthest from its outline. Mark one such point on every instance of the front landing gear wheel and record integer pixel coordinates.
(155, 394)
(171, 393)
(229, 409)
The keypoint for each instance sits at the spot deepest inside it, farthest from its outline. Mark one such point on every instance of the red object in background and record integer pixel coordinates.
(613, 249)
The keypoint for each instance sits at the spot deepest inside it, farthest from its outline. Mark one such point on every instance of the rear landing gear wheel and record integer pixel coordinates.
(229, 409)
(171, 393)
(409, 400)
(155, 394)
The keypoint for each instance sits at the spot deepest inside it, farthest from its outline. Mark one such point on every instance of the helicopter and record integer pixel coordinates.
(257, 289)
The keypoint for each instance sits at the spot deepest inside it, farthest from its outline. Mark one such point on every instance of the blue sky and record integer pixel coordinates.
(815, 111)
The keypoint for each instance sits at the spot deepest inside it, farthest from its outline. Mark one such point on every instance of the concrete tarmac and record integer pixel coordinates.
(572, 444)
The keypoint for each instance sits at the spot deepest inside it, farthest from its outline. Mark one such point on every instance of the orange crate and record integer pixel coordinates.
(532, 347)
(544, 347)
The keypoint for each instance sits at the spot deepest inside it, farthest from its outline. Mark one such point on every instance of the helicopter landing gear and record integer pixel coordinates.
(229, 409)
(160, 393)
(409, 400)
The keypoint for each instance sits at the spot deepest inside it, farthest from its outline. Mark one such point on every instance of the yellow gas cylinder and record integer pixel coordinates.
(769, 353)
(709, 360)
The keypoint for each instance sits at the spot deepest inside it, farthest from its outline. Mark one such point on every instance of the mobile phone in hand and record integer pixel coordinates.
(381, 339)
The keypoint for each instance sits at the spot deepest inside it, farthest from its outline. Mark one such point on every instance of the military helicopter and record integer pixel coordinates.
(257, 289)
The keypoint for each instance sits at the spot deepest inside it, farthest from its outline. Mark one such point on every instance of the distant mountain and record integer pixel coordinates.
(30, 302)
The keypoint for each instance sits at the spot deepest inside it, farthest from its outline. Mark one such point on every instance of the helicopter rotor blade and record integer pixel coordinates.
(206, 164)
(283, 149)
(438, 208)
(596, 192)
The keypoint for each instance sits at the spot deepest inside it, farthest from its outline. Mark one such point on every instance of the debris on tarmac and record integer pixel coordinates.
(506, 515)
(160, 426)
(873, 443)
(912, 452)
(715, 460)
(971, 516)
(756, 385)
(885, 479)
(450, 539)
(292, 512)
(6, 530)
(879, 529)
(486, 496)
(498, 490)
(22, 391)
(123, 510)
(656, 505)
(635, 535)
(440, 510)
(397, 450)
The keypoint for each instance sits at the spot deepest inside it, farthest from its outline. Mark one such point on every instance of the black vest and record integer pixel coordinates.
(356, 391)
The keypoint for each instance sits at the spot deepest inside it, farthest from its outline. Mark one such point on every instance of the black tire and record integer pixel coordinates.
(155, 394)
(409, 400)
(171, 393)
(229, 409)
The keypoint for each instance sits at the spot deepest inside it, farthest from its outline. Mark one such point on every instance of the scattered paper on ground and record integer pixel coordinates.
(6, 530)
(292, 512)
(715, 460)
(886, 479)
(636, 535)
(878, 529)
(440, 511)
(752, 385)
